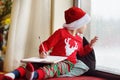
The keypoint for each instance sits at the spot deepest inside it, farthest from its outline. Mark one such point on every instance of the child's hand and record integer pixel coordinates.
(93, 41)
(43, 55)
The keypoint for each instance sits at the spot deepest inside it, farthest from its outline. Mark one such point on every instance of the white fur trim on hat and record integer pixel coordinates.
(78, 23)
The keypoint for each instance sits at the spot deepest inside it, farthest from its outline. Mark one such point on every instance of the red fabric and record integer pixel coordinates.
(78, 78)
(30, 67)
(58, 42)
(74, 78)
(41, 74)
(1, 37)
(22, 71)
(7, 78)
(73, 14)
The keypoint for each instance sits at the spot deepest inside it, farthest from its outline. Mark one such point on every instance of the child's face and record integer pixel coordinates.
(82, 29)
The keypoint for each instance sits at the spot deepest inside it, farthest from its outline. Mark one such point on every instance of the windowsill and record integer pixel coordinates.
(107, 59)
(108, 69)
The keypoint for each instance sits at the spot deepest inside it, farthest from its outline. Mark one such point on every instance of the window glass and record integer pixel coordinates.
(106, 25)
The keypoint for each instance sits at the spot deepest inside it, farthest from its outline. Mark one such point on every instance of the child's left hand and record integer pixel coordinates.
(93, 41)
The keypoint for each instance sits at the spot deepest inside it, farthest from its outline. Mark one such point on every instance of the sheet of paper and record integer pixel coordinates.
(48, 59)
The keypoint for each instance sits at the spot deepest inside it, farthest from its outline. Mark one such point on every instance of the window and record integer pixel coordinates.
(106, 25)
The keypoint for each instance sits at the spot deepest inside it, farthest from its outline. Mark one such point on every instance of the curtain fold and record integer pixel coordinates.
(17, 34)
(30, 19)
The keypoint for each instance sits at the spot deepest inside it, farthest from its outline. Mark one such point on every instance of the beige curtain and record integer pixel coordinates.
(58, 8)
(29, 17)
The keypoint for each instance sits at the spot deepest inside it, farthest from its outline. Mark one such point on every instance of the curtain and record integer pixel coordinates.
(28, 18)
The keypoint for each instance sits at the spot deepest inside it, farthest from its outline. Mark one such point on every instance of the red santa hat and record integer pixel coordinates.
(75, 18)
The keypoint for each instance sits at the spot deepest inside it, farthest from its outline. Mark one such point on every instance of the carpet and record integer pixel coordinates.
(73, 78)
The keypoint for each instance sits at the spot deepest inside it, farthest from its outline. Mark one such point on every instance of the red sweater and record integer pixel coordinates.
(63, 43)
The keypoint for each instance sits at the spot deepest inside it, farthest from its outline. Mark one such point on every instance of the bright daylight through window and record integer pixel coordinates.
(106, 25)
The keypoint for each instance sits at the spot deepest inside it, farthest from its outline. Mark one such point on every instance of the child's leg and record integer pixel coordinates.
(54, 70)
(48, 71)
(19, 72)
(78, 69)
(29, 71)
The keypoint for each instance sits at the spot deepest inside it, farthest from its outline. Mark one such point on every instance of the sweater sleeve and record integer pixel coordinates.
(51, 41)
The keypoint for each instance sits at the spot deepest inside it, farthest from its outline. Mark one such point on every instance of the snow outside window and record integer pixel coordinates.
(106, 25)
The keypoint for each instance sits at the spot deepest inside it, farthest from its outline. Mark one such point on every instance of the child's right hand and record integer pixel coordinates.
(93, 41)
(43, 55)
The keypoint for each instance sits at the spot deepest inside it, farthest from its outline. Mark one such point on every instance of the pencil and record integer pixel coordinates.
(42, 46)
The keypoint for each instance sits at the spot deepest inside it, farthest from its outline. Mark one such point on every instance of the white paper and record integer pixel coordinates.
(48, 59)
